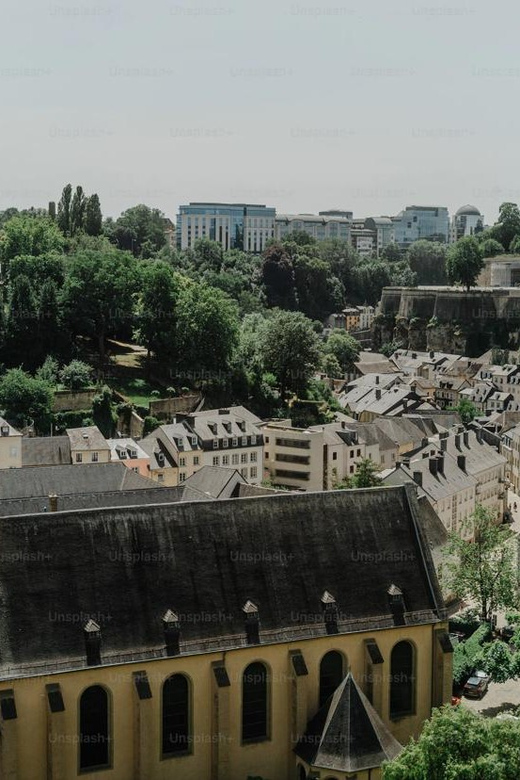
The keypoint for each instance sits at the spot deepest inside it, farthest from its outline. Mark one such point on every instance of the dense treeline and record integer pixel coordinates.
(250, 326)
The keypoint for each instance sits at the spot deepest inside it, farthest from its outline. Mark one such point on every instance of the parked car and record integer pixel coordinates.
(477, 685)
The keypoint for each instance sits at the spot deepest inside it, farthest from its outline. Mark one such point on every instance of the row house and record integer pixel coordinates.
(218, 437)
(365, 404)
(131, 454)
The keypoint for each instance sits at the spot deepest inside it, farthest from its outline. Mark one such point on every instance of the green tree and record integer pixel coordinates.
(508, 225)
(22, 321)
(46, 267)
(208, 255)
(331, 366)
(104, 414)
(98, 294)
(290, 351)
(366, 474)
(369, 277)
(514, 246)
(467, 410)
(76, 376)
(344, 347)
(464, 262)
(278, 277)
(456, 743)
(93, 216)
(64, 210)
(51, 336)
(157, 319)
(315, 290)
(24, 235)
(491, 247)
(139, 229)
(25, 400)
(428, 260)
(77, 211)
(207, 331)
(49, 371)
(392, 253)
(482, 568)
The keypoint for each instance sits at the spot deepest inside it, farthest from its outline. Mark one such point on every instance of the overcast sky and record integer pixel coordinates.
(366, 106)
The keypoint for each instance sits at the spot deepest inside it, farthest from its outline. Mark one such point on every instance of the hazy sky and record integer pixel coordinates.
(304, 106)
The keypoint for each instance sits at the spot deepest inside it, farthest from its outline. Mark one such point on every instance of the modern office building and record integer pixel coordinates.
(466, 222)
(383, 229)
(421, 222)
(320, 227)
(232, 225)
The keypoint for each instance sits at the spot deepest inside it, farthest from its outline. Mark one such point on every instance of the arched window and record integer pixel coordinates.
(255, 725)
(331, 674)
(94, 728)
(176, 715)
(402, 680)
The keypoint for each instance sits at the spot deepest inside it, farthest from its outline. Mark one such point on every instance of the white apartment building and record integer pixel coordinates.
(320, 227)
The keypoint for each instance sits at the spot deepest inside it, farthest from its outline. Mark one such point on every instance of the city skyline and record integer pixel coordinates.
(308, 107)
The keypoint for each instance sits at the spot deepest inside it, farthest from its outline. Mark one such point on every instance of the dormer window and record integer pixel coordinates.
(194, 442)
(5, 430)
(253, 440)
(160, 458)
(132, 453)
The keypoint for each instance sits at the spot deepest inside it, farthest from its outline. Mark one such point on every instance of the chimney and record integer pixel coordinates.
(377, 379)
(53, 502)
(432, 354)
(172, 632)
(433, 466)
(457, 441)
(440, 464)
(378, 393)
(330, 612)
(417, 478)
(479, 435)
(466, 438)
(414, 355)
(92, 634)
(461, 462)
(444, 444)
(250, 611)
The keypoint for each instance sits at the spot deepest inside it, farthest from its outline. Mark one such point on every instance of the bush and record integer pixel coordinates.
(76, 376)
(466, 654)
(466, 621)
(150, 424)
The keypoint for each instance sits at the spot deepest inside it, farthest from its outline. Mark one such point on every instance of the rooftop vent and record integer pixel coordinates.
(172, 632)
(252, 619)
(330, 612)
(396, 603)
(92, 634)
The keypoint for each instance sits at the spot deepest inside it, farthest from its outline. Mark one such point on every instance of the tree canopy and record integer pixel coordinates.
(464, 262)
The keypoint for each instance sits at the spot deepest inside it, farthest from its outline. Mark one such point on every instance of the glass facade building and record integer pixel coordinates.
(232, 225)
(421, 222)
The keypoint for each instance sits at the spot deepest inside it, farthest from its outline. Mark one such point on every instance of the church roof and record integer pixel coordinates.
(124, 567)
(347, 734)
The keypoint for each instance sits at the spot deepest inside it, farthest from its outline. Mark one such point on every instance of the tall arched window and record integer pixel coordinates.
(176, 715)
(331, 674)
(94, 729)
(402, 680)
(255, 721)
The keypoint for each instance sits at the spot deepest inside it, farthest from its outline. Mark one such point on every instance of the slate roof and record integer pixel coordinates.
(46, 451)
(125, 567)
(87, 439)
(347, 734)
(436, 486)
(68, 480)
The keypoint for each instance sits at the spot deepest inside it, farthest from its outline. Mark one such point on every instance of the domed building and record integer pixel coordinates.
(466, 222)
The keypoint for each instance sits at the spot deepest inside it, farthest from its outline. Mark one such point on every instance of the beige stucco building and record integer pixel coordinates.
(187, 645)
(10, 446)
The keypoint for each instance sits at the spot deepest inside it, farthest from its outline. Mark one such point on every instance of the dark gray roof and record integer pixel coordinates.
(46, 451)
(216, 482)
(68, 480)
(126, 567)
(347, 734)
